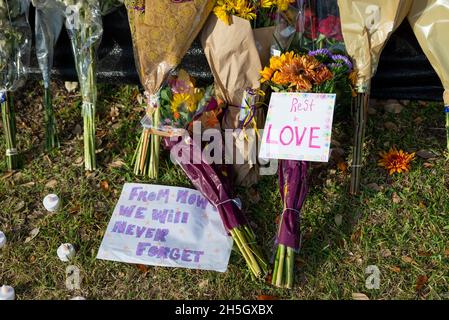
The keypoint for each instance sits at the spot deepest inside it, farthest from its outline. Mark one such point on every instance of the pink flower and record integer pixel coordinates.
(331, 28)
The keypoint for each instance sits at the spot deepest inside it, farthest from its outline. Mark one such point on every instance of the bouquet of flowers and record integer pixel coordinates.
(48, 25)
(159, 44)
(85, 28)
(212, 180)
(319, 71)
(179, 102)
(15, 42)
(366, 27)
(243, 30)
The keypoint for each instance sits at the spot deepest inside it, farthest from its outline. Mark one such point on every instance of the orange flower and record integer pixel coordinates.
(176, 115)
(395, 161)
(266, 74)
(323, 74)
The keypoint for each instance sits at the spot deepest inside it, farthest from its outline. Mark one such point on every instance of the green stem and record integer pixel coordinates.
(51, 134)
(9, 127)
(447, 129)
(280, 272)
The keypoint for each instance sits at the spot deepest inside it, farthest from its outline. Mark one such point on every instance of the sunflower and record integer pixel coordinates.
(182, 102)
(223, 13)
(395, 161)
(245, 10)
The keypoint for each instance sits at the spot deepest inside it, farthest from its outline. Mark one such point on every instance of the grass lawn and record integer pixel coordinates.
(399, 224)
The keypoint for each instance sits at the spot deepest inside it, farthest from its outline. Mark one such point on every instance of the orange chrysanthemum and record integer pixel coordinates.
(396, 161)
(301, 73)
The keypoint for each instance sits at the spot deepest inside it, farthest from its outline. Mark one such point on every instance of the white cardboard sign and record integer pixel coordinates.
(298, 127)
(166, 226)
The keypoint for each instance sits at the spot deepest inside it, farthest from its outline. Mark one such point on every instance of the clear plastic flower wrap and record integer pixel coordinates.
(84, 26)
(367, 26)
(15, 43)
(48, 24)
(309, 24)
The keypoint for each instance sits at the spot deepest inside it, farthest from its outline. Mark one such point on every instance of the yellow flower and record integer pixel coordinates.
(182, 102)
(267, 3)
(245, 10)
(395, 161)
(283, 4)
(266, 74)
(223, 14)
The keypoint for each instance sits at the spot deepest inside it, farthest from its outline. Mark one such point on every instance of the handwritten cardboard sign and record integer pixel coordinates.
(298, 127)
(166, 226)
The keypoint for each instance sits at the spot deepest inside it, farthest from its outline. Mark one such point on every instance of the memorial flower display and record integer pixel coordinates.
(159, 45)
(15, 44)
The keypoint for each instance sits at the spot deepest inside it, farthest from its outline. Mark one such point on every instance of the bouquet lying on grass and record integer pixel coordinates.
(15, 42)
(180, 103)
(319, 71)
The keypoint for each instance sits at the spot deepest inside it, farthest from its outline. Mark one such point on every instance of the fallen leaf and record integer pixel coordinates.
(32, 235)
(104, 185)
(391, 126)
(393, 107)
(266, 297)
(428, 165)
(359, 296)
(355, 237)
(425, 154)
(143, 268)
(19, 206)
(51, 184)
(395, 198)
(407, 259)
(28, 184)
(395, 269)
(32, 259)
(338, 219)
(423, 253)
(140, 98)
(79, 161)
(421, 281)
(74, 209)
(385, 253)
(203, 283)
(8, 174)
(116, 164)
(342, 166)
(71, 86)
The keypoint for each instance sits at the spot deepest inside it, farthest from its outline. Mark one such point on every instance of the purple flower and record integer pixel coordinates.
(320, 52)
(342, 60)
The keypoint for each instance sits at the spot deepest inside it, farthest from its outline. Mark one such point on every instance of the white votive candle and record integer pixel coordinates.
(51, 202)
(65, 252)
(7, 293)
(2, 239)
